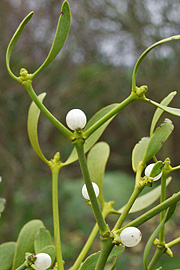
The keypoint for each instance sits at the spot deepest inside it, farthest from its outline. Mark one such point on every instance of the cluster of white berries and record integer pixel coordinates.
(148, 172)
(76, 119)
(43, 261)
(130, 236)
(85, 192)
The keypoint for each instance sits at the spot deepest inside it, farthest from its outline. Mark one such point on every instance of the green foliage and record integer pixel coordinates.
(25, 241)
(159, 111)
(96, 161)
(151, 241)
(139, 151)
(156, 141)
(157, 169)
(6, 255)
(60, 36)
(32, 125)
(90, 262)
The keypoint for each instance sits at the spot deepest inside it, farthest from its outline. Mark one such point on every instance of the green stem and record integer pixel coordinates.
(128, 206)
(110, 114)
(105, 251)
(173, 243)
(154, 211)
(104, 230)
(144, 54)
(159, 252)
(45, 111)
(163, 198)
(23, 266)
(55, 171)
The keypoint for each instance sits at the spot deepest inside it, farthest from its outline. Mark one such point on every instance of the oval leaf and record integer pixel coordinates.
(6, 255)
(60, 36)
(159, 111)
(25, 241)
(96, 135)
(139, 152)
(146, 200)
(156, 141)
(42, 240)
(96, 161)
(13, 43)
(32, 125)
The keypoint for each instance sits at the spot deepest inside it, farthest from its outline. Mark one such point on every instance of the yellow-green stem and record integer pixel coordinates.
(104, 230)
(163, 198)
(28, 85)
(128, 206)
(55, 171)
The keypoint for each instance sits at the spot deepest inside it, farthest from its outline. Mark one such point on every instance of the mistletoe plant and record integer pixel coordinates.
(34, 248)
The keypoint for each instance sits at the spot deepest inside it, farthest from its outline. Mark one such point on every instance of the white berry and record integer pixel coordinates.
(85, 192)
(130, 236)
(76, 119)
(43, 261)
(148, 172)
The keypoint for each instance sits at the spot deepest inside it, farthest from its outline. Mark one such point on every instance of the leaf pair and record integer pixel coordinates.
(33, 238)
(62, 31)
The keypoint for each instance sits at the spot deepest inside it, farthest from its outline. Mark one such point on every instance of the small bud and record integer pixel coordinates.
(85, 192)
(148, 172)
(76, 119)
(43, 261)
(130, 236)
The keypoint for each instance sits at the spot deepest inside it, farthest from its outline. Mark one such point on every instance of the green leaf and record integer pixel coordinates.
(51, 251)
(96, 135)
(90, 262)
(13, 43)
(60, 36)
(157, 169)
(96, 161)
(147, 199)
(156, 141)
(174, 111)
(32, 125)
(139, 152)
(42, 240)
(6, 255)
(171, 211)
(25, 241)
(116, 251)
(151, 241)
(159, 111)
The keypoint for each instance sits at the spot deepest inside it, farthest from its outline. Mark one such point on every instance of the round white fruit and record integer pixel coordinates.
(148, 172)
(76, 119)
(130, 236)
(85, 192)
(43, 261)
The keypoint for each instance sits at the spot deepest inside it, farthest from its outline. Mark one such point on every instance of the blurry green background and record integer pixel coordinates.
(93, 70)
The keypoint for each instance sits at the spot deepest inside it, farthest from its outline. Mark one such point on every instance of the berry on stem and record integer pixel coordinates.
(85, 192)
(76, 119)
(130, 236)
(43, 261)
(148, 172)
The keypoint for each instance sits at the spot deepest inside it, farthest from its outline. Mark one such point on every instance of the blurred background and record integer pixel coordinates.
(93, 70)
